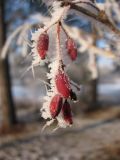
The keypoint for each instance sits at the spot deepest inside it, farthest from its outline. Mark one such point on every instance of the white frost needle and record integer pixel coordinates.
(47, 125)
(46, 83)
(29, 43)
(23, 74)
(55, 129)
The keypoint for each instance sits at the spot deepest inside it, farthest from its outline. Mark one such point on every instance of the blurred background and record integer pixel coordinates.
(96, 129)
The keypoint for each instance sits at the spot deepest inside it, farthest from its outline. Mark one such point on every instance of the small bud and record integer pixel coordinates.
(56, 105)
(42, 45)
(67, 114)
(73, 96)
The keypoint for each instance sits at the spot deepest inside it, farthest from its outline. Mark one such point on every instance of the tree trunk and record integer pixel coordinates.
(93, 84)
(93, 95)
(7, 105)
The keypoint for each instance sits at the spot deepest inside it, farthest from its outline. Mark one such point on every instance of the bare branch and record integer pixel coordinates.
(102, 17)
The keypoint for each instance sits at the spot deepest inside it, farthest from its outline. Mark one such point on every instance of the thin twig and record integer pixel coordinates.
(101, 17)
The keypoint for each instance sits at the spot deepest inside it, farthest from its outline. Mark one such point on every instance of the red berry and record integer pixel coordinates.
(70, 44)
(42, 45)
(42, 54)
(56, 105)
(67, 114)
(71, 47)
(73, 54)
(62, 84)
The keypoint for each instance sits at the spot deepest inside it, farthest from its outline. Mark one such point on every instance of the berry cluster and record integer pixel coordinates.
(61, 89)
(59, 105)
(59, 102)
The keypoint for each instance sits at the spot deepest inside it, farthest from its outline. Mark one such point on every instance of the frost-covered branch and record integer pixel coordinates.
(8, 42)
(101, 16)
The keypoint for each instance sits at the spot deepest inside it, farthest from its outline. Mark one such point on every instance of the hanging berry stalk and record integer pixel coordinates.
(61, 79)
(60, 87)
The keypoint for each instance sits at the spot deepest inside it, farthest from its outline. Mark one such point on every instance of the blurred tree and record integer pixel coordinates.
(8, 109)
(93, 84)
